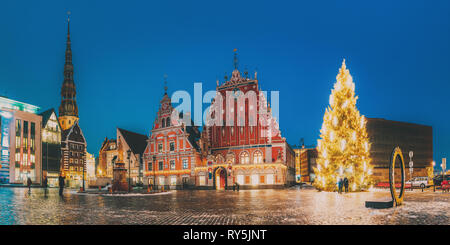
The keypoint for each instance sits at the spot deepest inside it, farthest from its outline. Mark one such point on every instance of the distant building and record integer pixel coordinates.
(106, 155)
(385, 135)
(136, 144)
(73, 160)
(51, 146)
(90, 169)
(305, 162)
(20, 142)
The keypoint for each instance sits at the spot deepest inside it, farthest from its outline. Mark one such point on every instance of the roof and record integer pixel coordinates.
(136, 142)
(46, 115)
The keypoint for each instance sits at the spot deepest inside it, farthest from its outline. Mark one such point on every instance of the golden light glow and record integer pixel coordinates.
(344, 149)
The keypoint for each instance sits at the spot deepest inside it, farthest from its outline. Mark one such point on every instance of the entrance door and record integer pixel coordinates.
(220, 179)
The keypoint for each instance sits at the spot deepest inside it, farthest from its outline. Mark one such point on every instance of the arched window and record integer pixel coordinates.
(257, 157)
(244, 159)
(168, 122)
(163, 123)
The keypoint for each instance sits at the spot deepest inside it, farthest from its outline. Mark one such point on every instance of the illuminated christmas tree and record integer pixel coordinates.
(343, 146)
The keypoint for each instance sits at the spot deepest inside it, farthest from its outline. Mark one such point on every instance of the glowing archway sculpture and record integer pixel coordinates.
(397, 200)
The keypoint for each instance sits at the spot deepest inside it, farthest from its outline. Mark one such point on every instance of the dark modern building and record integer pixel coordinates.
(385, 135)
(51, 146)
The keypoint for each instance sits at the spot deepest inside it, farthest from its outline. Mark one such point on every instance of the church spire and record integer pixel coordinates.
(68, 107)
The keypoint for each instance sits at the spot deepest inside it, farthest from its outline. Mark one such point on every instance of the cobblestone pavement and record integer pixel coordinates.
(208, 207)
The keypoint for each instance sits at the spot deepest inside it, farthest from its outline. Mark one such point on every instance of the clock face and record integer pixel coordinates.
(164, 106)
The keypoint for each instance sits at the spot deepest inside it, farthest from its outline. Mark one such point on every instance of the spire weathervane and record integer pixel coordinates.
(235, 61)
(165, 83)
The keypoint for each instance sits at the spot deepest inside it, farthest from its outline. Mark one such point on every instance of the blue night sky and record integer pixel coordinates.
(398, 54)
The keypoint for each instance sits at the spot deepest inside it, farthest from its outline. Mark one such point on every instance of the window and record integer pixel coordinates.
(173, 180)
(245, 159)
(240, 179)
(161, 166)
(255, 179)
(257, 157)
(163, 123)
(269, 179)
(161, 180)
(247, 179)
(172, 146)
(185, 164)
(172, 164)
(160, 147)
(150, 166)
(168, 122)
(202, 180)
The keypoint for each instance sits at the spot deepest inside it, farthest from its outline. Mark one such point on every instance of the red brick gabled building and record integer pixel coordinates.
(244, 142)
(172, 150)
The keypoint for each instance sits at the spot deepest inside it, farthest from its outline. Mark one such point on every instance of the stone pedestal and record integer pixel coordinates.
(119, 178)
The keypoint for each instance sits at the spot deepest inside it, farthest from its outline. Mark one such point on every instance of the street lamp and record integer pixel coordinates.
(153, 167)
(129, 170)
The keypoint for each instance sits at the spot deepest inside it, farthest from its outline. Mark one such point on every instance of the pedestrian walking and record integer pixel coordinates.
(29, 182)
(339, 186)
(61, 185)
(346, 184)
(237, 186)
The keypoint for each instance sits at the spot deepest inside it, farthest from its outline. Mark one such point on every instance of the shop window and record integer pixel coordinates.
(269, 179)
(255, 179)
(247, 180)
(202, 180)
(173, 180)
(240, 179)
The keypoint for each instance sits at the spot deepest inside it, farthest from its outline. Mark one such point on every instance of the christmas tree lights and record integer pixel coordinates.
(343, 145)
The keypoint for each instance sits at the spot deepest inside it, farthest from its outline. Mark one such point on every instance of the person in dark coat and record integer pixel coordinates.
(29, 182)
(237, 186)
(346, 184)
(340, 185)
(61, 185)
(44, 184)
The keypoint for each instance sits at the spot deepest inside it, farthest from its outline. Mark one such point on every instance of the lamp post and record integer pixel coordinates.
(153, 168)
(434, 186)
(129, 170)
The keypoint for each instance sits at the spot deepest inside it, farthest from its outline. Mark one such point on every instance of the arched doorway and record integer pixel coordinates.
(220, 178)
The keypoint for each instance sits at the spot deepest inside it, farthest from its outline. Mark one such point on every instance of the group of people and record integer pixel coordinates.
(45, 184)
(342, 183)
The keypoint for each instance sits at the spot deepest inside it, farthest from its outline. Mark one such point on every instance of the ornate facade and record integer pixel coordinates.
(172, 151)
(244, 142)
